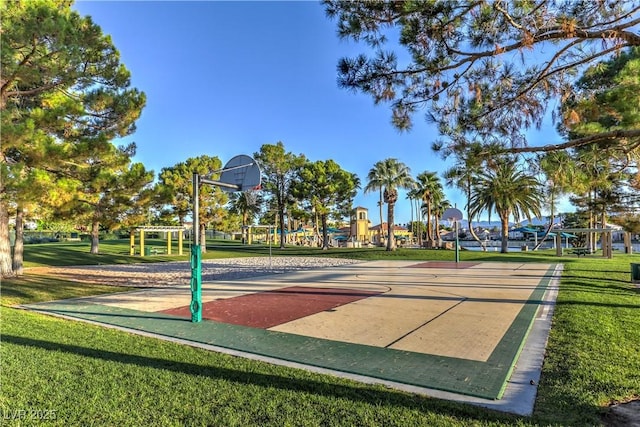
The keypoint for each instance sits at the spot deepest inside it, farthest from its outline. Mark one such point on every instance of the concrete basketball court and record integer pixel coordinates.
(472, 332)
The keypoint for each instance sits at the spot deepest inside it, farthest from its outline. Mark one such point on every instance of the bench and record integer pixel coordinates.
(581, 251)
(156, 251)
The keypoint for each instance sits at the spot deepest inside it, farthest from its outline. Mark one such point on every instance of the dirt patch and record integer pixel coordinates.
(625, 414)
(152, 275)
(139, 275)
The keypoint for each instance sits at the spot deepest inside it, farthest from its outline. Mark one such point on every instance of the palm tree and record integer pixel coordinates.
(390, 175)
(429, 188)
(507, 191)
(412, 195)
(441, 206)
(247, 204)
(560, 171)
(372, 176)
(463, 175)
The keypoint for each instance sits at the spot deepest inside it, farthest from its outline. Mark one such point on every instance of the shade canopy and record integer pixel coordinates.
(525, 230)
(542, 233)
(333, 230)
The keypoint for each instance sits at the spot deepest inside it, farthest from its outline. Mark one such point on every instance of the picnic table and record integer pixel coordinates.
(581, 251)
(154, 250)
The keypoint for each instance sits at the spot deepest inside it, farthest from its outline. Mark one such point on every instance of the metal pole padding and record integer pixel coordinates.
(196, 284)
(196, 256)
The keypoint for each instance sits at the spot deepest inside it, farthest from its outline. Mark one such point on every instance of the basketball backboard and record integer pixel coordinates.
(452, 214)
(241, 172)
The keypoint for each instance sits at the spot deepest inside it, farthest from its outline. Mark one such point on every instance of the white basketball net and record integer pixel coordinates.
(251, 196)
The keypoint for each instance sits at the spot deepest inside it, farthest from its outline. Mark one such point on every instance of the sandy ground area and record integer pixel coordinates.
(179, 273)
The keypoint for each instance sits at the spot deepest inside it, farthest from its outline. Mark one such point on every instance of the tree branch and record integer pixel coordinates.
(507, 16)
(542, 76)
(11, 78)
(591, 139)
(32, 91)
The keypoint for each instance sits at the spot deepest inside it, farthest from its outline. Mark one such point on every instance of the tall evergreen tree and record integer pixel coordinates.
(279, 169)
(606, 99)
(110, 191)
(176, 184)
(63, 93)
(326, 188)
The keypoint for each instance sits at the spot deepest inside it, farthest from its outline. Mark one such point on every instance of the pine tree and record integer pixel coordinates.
(64, 93)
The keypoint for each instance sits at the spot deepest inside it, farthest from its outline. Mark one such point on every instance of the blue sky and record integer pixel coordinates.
(224, 78)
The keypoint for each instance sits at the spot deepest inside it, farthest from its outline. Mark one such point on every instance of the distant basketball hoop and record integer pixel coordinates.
(455, 215)
(452, 214)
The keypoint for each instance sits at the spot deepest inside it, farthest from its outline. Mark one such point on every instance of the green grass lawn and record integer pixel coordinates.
(91, 375)
(117, 252)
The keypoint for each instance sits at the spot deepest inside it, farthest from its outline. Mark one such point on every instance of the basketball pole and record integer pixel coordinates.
(196, 252)
(457, 238)
(455, 223)
(455, 215)
(196, 255)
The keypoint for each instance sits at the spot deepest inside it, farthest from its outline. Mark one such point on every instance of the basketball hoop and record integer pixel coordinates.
(448, 221)
(241, 173)
(251, 197)
(455, 215)
(452, 214)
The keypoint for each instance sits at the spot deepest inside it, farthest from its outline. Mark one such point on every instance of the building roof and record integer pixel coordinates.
(396, 227)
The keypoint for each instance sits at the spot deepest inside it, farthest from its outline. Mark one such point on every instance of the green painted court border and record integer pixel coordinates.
(510, 346)
(485, 380)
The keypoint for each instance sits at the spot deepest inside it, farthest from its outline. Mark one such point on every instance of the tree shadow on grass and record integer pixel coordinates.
(590, 284)
(36, 288)
(601, 271)
(356, 392)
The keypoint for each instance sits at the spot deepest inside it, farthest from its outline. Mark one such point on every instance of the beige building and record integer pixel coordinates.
(360, 225)
(363, 232)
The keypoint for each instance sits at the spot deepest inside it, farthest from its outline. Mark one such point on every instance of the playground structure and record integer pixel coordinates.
(151, 228)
